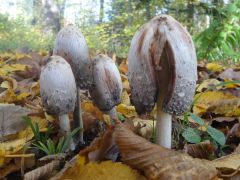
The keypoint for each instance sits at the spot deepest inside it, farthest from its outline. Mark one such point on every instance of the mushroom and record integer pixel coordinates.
(162, 69)
(107, 85)
(71, 45)
(58, 91)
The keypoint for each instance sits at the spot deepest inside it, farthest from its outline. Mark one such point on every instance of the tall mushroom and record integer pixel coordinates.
(107, 85)
(71, 45)
(162, 69)
(58, 90)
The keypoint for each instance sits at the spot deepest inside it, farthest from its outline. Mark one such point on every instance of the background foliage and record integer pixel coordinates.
(109, 25)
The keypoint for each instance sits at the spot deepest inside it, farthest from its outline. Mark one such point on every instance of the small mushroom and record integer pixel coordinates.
(71, 45)
(162, 69)
(58, 90)
(107, 85)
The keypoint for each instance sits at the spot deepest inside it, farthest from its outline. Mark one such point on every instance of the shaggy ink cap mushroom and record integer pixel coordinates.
(58, 91)
(57, 86)
(162, 69)
(71, 45)
(107, 85)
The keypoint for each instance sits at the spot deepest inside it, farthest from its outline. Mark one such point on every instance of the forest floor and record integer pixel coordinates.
(210, 131)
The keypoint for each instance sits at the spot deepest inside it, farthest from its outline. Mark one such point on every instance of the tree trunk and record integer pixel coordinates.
(101, 12)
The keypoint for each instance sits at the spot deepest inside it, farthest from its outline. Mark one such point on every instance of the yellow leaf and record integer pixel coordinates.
(206, 99)
(89, 107)
(19, 140)
(22, 96)
(214, 67)
(227, 107)
(107, 170)
(208, 83)
(9, 68)
(125, 98)
(127, 111)
(7, 96)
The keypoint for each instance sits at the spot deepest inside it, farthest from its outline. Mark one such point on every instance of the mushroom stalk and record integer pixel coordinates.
(64, 124)
(113, 115)
(163, 128)
(78, 121)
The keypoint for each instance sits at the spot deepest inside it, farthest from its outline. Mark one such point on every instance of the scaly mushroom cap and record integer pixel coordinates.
(71, 45)
(107, 85)
(162, 62)
(57, 86)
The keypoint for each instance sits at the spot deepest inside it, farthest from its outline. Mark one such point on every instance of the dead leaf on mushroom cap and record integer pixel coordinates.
(157, 162)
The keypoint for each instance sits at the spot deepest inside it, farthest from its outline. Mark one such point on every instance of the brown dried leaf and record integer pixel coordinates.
(143, 127)
(227, 107)
(230, 74)
(201, 150)
(228, 164)
(42, 171)
(157, 162)
(11, 120)
(101, 148)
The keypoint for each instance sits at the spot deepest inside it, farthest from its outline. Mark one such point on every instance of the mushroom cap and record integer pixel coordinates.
(71, 45)
(163, 65)
(57, 86)
(107, 85)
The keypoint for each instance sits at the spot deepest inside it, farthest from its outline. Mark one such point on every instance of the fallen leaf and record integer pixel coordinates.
(127, 111)
(204, 100)
(228, 164)
(43, 171)
(11, 120)
(214, 67)
(101, 147)
(202, 150)
(157, 162)
(226, 107)
(125, 98)
(80, 169)
(230, 74)
(143, 128)
(208, 84)
(18, 141)
(89, 107)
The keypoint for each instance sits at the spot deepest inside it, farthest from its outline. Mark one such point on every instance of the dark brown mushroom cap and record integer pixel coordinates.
(107, 85)
(162, 63)
(57, 86)
(71, 45)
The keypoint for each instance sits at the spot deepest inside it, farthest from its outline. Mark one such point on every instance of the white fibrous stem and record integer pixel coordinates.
(64, 124)
(80, 116)
(113, 115)
(163, 128)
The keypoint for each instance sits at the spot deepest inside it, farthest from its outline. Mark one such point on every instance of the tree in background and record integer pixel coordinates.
(109, 25)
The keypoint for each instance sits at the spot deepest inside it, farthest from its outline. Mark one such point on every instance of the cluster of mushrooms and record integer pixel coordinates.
(162, 70)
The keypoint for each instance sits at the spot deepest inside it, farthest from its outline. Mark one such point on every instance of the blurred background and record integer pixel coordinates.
(109, 25)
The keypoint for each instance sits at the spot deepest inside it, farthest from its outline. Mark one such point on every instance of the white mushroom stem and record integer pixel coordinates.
(64, 124)
(78, 117)
(113, 115)
(163, 128)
